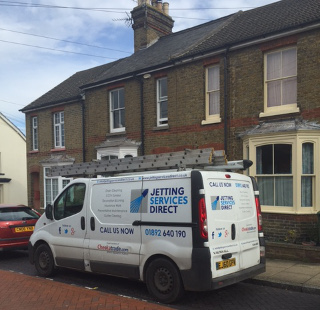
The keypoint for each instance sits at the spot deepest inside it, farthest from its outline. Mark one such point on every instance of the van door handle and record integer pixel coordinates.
(92, 224)
(83, 223)
(233, 231)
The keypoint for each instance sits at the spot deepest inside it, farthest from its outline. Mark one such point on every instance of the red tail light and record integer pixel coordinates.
(203, 219)
(259, 215)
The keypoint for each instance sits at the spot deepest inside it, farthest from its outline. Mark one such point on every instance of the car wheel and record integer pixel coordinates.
(44, 261)
(163, 281)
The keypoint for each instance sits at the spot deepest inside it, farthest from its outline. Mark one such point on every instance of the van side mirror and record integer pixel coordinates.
(49, 213)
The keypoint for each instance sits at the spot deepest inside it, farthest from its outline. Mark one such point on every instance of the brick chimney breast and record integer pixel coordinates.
(151, 21)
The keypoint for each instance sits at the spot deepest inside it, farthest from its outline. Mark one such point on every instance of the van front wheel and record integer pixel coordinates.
(44, 262)
(163, 281)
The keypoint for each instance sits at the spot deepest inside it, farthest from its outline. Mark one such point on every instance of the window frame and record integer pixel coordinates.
(35, 133)
(282, 108)
(58, 125)
(162, 121)
(296, 139)
(60, 183)
(113, 110)
(212, 118)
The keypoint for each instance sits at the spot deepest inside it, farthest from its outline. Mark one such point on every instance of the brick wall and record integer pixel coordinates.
(186, 102)
(290, 227)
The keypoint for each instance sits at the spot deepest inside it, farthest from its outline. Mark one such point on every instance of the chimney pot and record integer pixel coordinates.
(166, 8)
(159, 5)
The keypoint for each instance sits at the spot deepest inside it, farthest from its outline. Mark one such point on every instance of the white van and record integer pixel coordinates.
(189, 230)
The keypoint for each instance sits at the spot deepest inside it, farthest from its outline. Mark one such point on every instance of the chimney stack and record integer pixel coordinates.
(151, 21)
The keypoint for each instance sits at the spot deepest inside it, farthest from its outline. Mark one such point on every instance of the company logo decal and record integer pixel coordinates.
(222, 203)
(160, 200)
(136, 203)
(66, 230)
(113, 249)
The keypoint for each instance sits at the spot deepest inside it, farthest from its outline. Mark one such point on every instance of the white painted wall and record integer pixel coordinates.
(13, 163)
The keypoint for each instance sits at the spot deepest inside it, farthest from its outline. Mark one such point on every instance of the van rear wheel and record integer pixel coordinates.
(163, 281)
(44, 262)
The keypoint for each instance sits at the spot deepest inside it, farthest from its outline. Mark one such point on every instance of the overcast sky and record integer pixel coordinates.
(43, 42)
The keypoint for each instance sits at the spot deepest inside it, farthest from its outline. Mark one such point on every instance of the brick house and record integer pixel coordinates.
(246, 83)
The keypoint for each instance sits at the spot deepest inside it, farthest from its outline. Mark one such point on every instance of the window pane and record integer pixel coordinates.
(116, 119)
(274, 93)
(289, 91)
(306, 191)
(214, 103)
(289, 62)
(282, 159)
(114, 100)
(307, 158)
(48, 191)
(163, 91)
(57, 118)
(266, 190)
(284, 191)
(55, 188)
(265, 159)
(164, 109)
(57, 129)
(121, 98)
(273, 66)
(62, 135)
(213, 78)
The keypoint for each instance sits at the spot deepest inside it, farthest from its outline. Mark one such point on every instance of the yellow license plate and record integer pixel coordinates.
(23, 229)
(226, 263)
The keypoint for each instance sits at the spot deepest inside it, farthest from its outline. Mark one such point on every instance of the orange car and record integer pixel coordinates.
(16, 226)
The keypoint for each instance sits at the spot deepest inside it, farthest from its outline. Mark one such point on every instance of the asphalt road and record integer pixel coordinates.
(240, 296)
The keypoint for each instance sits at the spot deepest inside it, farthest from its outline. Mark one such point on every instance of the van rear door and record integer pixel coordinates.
(232, 222)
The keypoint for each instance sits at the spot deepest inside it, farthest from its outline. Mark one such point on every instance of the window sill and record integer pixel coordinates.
(288, 210)
(119, 133)
(275, 112)
(33, 152)
(214, 120)
(58, 149)
(164, 127)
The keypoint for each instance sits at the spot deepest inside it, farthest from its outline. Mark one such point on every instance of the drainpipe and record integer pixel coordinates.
(141, 80)
(83, 128)
(141, 116)
(226, 101)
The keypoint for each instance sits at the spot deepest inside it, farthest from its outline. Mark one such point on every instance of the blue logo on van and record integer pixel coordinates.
(136, 203)
(215, 203)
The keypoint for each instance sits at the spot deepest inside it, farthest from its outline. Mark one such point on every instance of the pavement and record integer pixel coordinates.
(19, 291)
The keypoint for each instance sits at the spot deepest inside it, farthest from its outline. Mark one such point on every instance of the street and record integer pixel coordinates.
(239, 296)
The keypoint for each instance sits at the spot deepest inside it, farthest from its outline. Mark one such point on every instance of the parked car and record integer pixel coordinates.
(16, 226)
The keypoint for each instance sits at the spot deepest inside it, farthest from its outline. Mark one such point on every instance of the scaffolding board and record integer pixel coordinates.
(192, 159)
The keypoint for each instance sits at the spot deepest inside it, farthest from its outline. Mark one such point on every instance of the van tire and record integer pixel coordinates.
(163, 281)
(43, 260)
